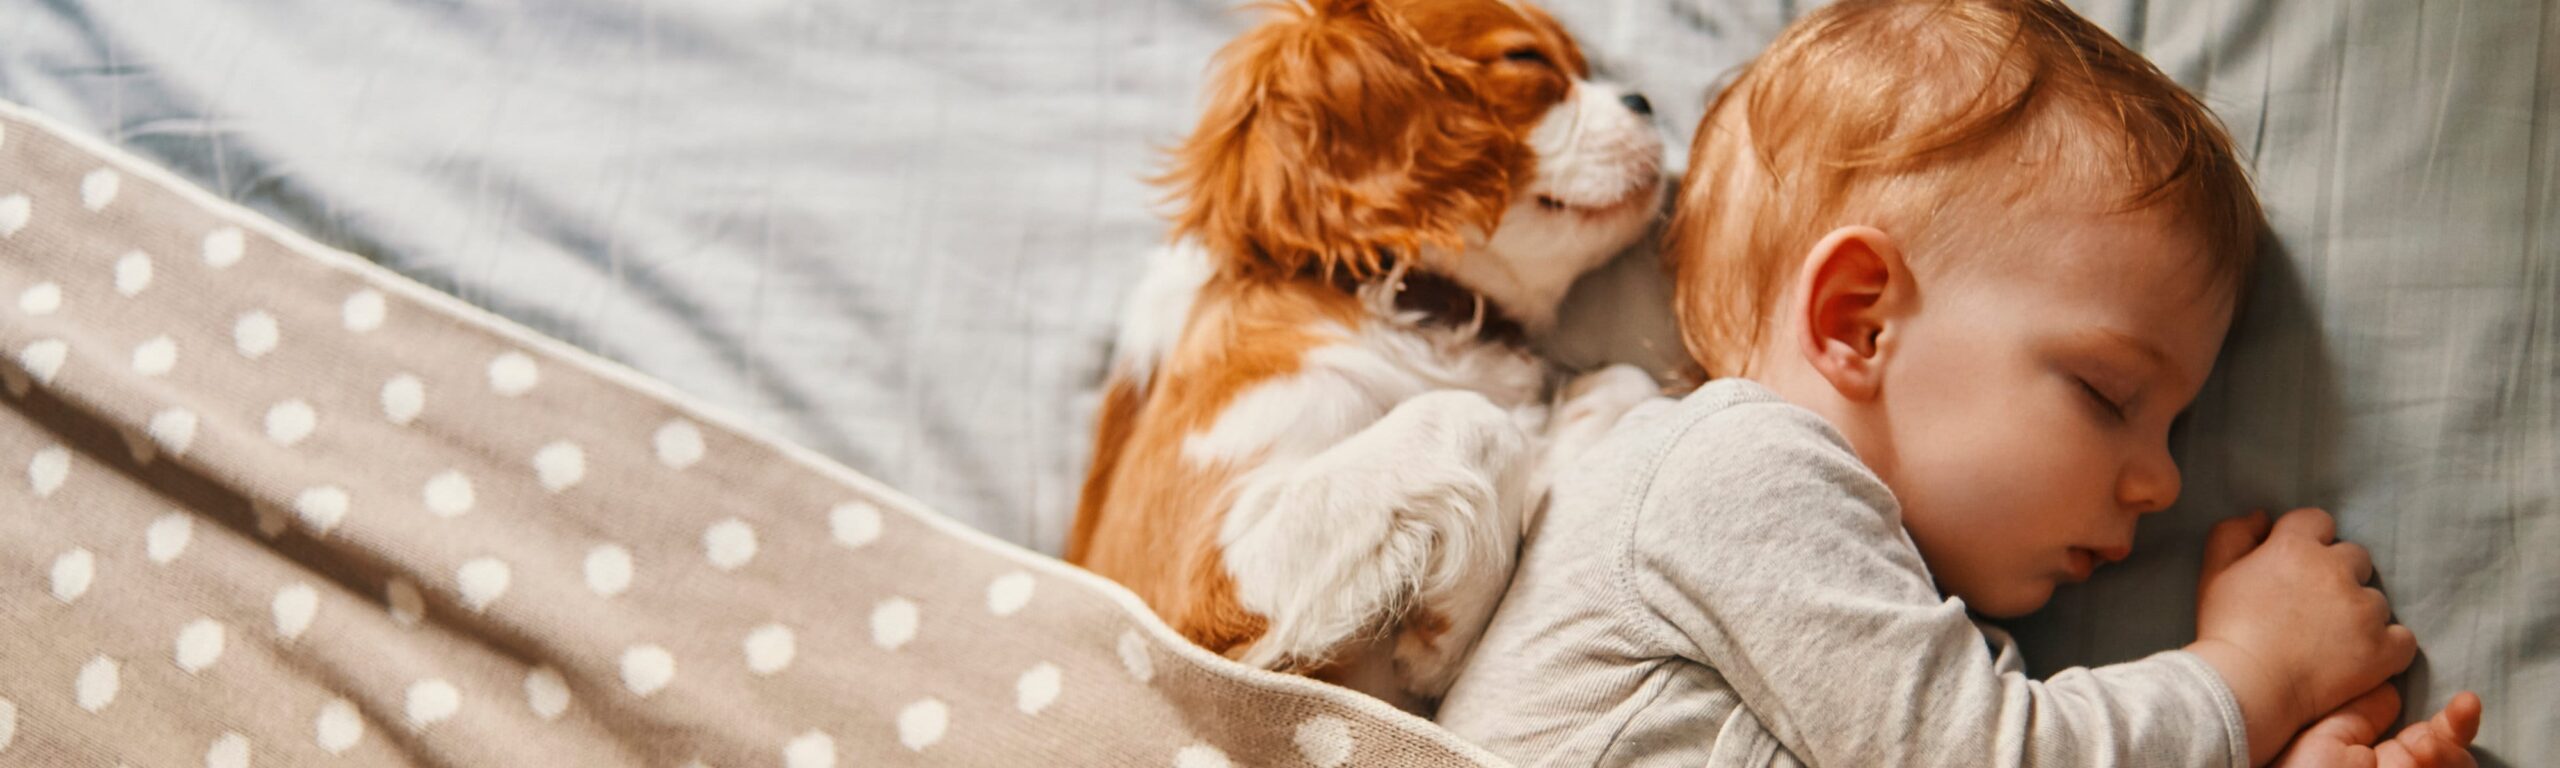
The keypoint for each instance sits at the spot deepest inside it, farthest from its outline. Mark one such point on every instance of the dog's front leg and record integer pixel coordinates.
(1407, 526)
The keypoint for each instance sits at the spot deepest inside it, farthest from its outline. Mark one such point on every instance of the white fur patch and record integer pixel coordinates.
(1160, 307)
(1605, 163)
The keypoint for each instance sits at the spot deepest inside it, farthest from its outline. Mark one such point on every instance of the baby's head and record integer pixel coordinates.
(1994, 247)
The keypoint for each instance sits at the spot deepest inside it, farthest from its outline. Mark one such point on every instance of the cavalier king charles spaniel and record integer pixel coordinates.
(1324, 431)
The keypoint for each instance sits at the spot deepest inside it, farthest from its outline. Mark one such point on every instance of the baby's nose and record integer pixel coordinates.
(2151, 485)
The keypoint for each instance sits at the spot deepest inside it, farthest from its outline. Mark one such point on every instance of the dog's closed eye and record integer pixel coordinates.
(1528, 55)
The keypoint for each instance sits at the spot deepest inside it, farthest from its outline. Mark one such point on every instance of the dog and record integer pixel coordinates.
(1324, 432)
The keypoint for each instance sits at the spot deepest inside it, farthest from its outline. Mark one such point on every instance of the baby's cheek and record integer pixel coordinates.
(1972, 559)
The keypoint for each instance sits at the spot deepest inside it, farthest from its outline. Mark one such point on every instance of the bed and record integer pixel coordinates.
(888, 240)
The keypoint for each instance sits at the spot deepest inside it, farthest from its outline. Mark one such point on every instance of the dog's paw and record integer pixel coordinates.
(1420, 510)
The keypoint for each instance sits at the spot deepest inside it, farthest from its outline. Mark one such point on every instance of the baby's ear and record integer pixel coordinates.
(1844, 306)
(1334, 136)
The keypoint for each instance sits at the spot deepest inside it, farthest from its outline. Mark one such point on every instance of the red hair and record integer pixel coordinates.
(1903, 114)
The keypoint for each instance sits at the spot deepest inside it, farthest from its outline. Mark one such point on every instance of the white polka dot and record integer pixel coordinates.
(293, 608)
(647, 668)
(729, 544)
(167, 537)
(290, 421)
(1037, 689)
(97, 685)
(402, 398)
(272, 519)
(99, 188)
(15, 210)
(223, 247)
(893, 623)
(338, 727)
(255, 334)
(321, 509)
(39, 359)
(1325, 741)
(513, 374)
(679, 444)
(432, 701)
(48, 470)
(72, 573)
(155, 357)
(230, 750)
(173, 430)
(560, 465)
(43, 358)
(362, 311)
(769, 649)
(608, 569)
(1134, 657)
(40, 299)
(133, 273)
(1008, 593)
(855, 523)
(199, 645)
(482, 581)
(546, 692)
(449, 493)
(1200, 756)
(8, 723)
(921, 724)
(407, 606)
(810, 750)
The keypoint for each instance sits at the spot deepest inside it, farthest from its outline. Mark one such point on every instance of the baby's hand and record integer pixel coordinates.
(2347, 737)
(2285, 617)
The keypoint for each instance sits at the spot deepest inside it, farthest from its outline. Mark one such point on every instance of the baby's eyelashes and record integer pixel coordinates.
(2109, 404)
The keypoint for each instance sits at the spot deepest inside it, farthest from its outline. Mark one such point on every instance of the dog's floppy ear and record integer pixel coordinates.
(1334, 136)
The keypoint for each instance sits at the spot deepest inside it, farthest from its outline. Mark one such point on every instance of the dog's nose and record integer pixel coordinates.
(1636, 103)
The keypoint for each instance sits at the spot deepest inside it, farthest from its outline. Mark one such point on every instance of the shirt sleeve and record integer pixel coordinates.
(1763, 548)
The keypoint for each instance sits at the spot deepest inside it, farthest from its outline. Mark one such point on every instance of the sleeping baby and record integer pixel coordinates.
(1958, 266)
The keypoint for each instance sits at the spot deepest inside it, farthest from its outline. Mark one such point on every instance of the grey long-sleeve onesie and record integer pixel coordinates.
(1721, 582)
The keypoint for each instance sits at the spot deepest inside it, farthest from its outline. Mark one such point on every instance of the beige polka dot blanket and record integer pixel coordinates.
(269, 504)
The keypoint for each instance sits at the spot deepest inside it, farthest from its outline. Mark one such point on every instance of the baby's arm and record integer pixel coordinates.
(1763, 549)
(2284, 616)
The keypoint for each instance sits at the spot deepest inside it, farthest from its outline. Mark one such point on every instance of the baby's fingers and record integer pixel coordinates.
(2399, 646)
(2307, 522)
(2460, 718)
(2232, 539)
(2440, 741)
(2418, 746)
(2361, 721)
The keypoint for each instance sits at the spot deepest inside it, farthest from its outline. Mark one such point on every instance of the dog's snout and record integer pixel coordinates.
(1636, 103)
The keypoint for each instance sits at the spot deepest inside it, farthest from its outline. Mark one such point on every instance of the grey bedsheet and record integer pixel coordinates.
(897, 231)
